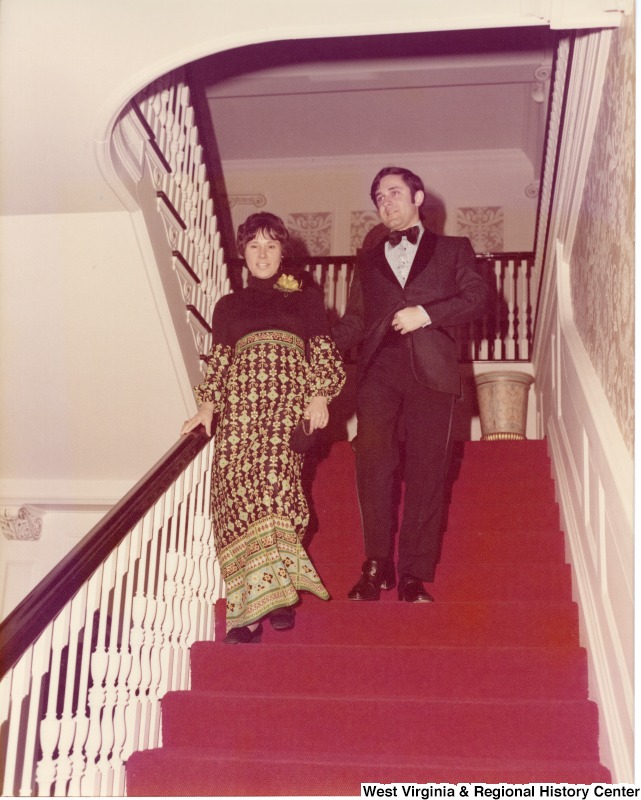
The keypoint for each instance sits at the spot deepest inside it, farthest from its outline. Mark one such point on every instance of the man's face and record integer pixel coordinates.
(395, 206)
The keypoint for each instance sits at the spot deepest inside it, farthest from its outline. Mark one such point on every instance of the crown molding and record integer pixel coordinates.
(58, 495)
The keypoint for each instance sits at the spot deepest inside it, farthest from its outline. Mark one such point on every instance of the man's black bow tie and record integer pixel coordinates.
(394, 237)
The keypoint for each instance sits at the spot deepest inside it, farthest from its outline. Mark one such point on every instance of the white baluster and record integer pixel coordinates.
(5, 712)
(91, 779)
(160, 675)
(500, 314)
(18, 691)
(523, 295)
(341, 290)
(50, 726)
(67, 722)
(112, 721)
(91, 783)
(127, 714)
(147, 656)
(170, 624)
(198, 529)
(509, 286)
(39, 668)
(121, 704)
(86, 644)
(46, 767)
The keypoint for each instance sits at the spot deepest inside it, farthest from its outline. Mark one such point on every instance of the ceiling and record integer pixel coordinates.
(353, 96)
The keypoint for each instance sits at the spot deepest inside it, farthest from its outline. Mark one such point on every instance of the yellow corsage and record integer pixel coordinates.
(288, 283)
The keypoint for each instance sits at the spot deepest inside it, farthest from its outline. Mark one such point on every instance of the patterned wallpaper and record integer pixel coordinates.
(483, 225)
(314, 229)
(361, 222)
(602, 269)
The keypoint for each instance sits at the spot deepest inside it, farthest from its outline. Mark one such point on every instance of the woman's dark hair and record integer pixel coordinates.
(271, 225)
(409, 179)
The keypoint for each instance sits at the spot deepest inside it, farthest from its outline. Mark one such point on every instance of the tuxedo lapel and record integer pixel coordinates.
(423, 256)
(382, 265)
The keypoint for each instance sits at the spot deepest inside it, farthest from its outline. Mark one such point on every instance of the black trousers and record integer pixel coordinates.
(390, 395)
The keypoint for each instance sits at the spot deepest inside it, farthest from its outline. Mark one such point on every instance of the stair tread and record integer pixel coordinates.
(491, 729)
(378, 670)
(229, 773)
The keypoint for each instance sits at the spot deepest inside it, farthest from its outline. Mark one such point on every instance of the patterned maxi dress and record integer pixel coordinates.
(259, 377)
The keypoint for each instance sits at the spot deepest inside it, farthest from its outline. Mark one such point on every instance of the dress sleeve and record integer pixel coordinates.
(326, 374)
(326, 371)
(213, 389)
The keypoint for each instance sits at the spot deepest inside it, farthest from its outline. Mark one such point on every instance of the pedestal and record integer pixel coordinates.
(503, 400)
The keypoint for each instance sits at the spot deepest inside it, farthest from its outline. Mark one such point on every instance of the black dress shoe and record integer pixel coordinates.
(411, 590)
(244, 635)
(282, 619)
(376, 575)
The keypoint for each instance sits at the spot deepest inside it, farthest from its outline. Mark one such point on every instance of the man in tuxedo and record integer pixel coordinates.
(406, 292)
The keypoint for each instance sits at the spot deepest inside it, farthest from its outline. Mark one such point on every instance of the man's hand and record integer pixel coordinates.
(410, 319)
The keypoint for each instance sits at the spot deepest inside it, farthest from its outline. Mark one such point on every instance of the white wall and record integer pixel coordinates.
(25, 563)
(592, 466)
(593, 471)
(341, 185)
(92, 393)
(89, 390)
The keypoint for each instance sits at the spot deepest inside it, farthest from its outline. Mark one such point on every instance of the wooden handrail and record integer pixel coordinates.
(31, 616)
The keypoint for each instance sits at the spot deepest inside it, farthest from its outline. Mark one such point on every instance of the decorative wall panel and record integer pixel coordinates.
(483, 225)
(314, 229)
(602, 264)
(361, 222)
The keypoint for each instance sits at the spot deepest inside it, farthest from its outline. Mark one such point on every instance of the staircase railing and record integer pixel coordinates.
(90, 651)
(88, 654)
(505, 333)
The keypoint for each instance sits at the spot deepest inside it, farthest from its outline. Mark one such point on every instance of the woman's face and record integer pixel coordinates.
(263, 256)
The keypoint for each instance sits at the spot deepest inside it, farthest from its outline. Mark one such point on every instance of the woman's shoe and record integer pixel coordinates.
(244, 635)
(282, 619)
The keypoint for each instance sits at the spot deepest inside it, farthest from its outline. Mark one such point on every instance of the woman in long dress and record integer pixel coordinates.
(272, 364)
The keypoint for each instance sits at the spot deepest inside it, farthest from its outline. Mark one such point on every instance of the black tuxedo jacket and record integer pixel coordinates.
(443, 279)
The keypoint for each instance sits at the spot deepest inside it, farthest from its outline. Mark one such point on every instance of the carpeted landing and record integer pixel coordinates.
(487, 684)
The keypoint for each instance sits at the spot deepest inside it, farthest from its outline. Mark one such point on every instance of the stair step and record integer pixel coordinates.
(298, 724)
(461, 544)
(498, 581)
(431, 624)
(382, 671)
(508, 515)
(167, 772)
(499, 452)
(490, 493)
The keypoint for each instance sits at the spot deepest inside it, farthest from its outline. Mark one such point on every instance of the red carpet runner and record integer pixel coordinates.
(487, 684)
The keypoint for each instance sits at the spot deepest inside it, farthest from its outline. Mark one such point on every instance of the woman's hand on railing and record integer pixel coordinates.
(204, 416)
(316, 412)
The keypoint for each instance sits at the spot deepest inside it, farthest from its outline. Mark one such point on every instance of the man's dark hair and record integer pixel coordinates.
(409, 179)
